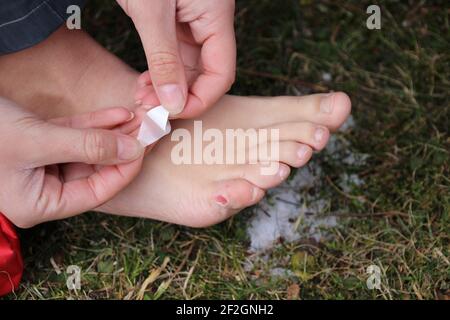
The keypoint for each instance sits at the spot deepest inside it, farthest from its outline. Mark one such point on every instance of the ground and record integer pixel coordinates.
(390, 203)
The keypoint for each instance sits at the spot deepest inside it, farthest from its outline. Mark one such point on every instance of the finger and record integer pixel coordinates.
(134, 125)
(146, 94)
(102, 119)
(156, 25)
(51, 144)
(85, 194)
(76, 171)
(144, 79)
(218, 57)
(143, 92)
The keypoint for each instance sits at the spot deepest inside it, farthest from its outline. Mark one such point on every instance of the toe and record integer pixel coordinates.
(237, 194)
(308, 133)
(295, 154)
(263, 175)
(291, 153)
(330, 110)
(228, 198)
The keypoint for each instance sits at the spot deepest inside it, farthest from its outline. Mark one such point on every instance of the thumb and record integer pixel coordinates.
(56, 144)
(156, 25)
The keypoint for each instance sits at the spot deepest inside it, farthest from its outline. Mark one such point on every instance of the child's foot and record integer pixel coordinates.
(69, 74)
(202, 195)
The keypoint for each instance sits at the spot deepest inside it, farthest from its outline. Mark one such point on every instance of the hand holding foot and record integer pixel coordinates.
(44, 169)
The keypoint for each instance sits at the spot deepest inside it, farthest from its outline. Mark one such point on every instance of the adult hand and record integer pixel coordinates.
(191, 50)
(44, 169)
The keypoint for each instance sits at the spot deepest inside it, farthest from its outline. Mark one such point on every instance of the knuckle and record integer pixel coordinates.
(163, 63)
(95, 147)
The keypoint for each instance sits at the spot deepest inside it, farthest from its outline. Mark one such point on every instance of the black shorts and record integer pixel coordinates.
(25, 23)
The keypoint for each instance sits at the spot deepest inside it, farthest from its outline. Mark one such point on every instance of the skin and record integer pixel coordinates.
(190, 48)
(203, 195)
(193, 195)
(202, 27)
(48, 161)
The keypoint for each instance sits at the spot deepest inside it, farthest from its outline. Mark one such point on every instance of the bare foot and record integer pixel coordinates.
(69, 73)
(202, 195)
(66, 74)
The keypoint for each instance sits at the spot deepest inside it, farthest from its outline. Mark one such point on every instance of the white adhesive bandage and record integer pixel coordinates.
(154, 126)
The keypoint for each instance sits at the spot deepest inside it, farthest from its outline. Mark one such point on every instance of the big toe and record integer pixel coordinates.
(330, 110)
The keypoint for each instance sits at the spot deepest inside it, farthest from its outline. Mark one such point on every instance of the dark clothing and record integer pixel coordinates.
(25, 23)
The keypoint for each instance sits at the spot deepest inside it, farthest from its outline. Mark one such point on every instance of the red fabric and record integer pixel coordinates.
(11, 263)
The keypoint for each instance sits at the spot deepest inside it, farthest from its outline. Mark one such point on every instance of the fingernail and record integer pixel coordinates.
(132, 115)
(171, 97)
(326, 104)
(138, 102)
(221, 201)
(302, 152)
(129, 148)
(319, 134)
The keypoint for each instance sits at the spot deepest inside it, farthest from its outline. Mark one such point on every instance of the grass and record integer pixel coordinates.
(398, 79)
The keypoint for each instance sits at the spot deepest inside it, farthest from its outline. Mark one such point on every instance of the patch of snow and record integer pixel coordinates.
(281, 273)
(290, 212)
(348, 181)
(327, 77)
(296, 209)
(350, 123)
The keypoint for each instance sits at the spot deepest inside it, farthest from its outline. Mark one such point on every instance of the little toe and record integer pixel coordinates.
(229, 197)
(237, 194)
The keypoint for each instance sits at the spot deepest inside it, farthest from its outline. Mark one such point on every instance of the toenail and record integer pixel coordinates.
(283, 172)
(302, 152)
(221, 201)
(255, 192)
(319, 134)
(326, 104)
